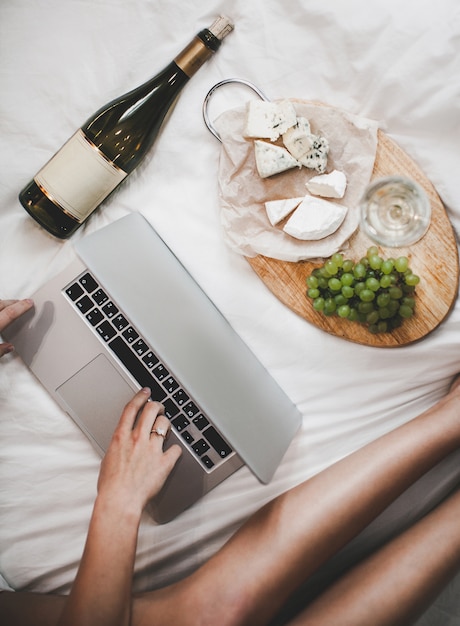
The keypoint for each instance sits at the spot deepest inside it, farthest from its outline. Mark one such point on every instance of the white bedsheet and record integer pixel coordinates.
(397, 63)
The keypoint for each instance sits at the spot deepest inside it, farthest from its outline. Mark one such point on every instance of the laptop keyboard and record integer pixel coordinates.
(125, 342)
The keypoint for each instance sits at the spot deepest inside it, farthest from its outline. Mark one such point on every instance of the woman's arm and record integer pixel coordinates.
(133, 471)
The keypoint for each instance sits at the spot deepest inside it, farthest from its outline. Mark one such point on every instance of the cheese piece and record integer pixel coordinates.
(277, 210)
(269, 120)
(299, 139)
(331, 185)
(316, 157)
(271, 159)
(315, 219)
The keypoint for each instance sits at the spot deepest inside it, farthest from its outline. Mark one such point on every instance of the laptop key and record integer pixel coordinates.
(94, 317)
(200, 447)
(171, 408)
(120, 322)
(200, 421)
(190, 409)
(88, 283)
(150, 359)
(100, 297)
(180, 423)
(106, 330)
(207, 462)
(136, 368)
(74, 291)
(110, 309)
(217, 442)
(140, 347)
(84, 304)
(180, 397)
(170, 384)
(130, 334)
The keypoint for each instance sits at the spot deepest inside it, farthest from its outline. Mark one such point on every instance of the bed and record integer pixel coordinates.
(392, 63)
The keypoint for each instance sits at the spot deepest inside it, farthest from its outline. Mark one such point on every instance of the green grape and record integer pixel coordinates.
(384, 312)
(347, 279)
(348, 266)
(359, 287)
(337, 258)
(401, 264)
(318, 304)
(405, 311)
(386, 280)
(312, 281)
(395, 293)
(329, 306)
(348, 291)
(334, 284)
(365, 307)
(375, 261)
(387, 266)
(359, 270)
(340, 299)
(412, 280)
(372, 317)
(383, 299)
(353, 315)
(313, 293)
(372, 283)
(344, 311)
(367, 295)
(372, 251)
(408, 301)
(331, 267)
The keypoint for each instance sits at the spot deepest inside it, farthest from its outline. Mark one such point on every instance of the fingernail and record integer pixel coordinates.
(146, 390)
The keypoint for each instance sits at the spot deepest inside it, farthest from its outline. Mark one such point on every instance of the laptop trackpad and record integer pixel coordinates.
(95, 397)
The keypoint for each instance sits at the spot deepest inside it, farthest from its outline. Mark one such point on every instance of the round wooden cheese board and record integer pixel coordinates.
(434, 258)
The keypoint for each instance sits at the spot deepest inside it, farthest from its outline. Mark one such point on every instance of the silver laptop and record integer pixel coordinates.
(127, 314)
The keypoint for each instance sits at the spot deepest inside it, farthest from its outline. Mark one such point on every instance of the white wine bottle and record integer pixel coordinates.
(112, 142)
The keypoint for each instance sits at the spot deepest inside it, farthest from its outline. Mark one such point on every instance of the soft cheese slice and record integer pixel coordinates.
(331, 185)
(315, 219)
(271, 159)
(299, 139)
(277, 210)
(269, 120)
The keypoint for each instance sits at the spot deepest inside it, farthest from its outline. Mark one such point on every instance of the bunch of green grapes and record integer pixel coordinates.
(376, 292)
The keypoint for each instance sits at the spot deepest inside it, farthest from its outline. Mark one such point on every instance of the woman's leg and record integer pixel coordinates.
(395, 585)
(249, 580)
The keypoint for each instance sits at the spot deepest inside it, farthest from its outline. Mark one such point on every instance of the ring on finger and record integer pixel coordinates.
(161, 432)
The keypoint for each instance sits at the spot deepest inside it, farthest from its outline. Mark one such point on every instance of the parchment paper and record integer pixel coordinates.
(353, 144)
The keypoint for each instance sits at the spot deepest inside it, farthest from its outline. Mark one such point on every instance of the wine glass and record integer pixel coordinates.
(395, 211)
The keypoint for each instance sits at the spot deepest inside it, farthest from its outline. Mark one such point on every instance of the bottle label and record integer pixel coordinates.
(78, 177)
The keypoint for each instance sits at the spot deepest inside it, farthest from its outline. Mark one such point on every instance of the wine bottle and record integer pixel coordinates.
(112, 142)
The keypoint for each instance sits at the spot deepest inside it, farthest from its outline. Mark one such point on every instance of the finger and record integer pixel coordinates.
(160, 429)
(5, 348)
(128, 417)
(148, 417)
(12, 309)
(171, 456)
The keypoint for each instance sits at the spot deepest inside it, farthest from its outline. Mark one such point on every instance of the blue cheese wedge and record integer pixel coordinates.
(299, 139)
(331, 185)
(315, 219)
(269, 120)
(316, 157)
(309, 149)
(272, 159)
(277, 210)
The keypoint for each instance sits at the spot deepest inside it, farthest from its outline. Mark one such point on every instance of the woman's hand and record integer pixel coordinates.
(135, 467)
(10, 310)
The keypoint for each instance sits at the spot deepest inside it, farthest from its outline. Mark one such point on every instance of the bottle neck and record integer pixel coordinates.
(193, 56)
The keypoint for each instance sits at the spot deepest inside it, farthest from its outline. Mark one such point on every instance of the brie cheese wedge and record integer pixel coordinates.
(272, 159)
(315, 219)
(277, 210)
(331, 185)
(269, 120)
